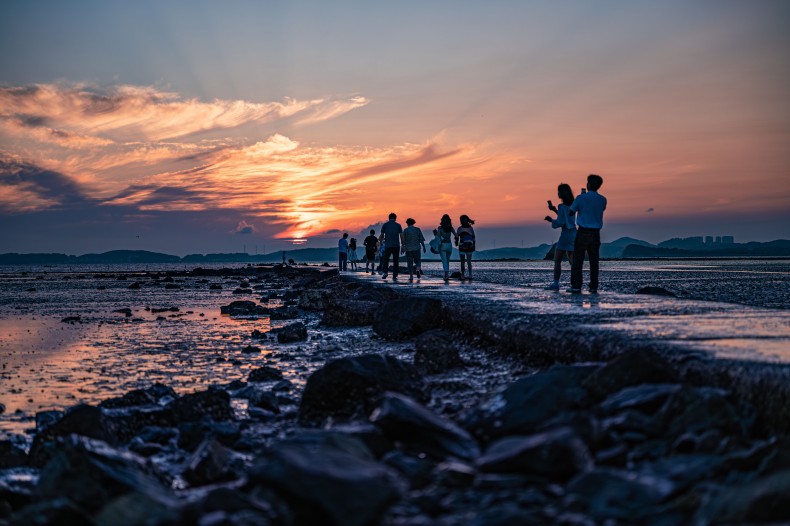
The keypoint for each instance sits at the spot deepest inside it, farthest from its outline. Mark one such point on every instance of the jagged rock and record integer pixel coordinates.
(647, 399)
(258, 397)
(556, 455)
(157, 435)
(283, 385)
(404, 420)
(17, 489)
(326, 483)
(700, 409)
(215, 286)
(85, 420)
(350, 386)
(656, 291)
(265, 373)
(436, 352)
(529, 402)
(760, 501)
(294, 332)
(244, 308)
(134, 286)
(251, 349)
(46, 418)
(284, 313)
(370, 435)
(208, 464)
(607, 494)
(192, 434)
(11, 456)
(214, 404)
(508, 515)
(402, 319)
(71, 319)
(91, 474)
(634, 367)
(157, 393)
(126, 312)
(51, 512)
(258, 335)
(418, 471)
(352, 313)
(313, 299)
(2, 409)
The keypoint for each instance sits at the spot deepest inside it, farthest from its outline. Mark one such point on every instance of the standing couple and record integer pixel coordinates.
(586, 211)
(396, 241)
(464, 238)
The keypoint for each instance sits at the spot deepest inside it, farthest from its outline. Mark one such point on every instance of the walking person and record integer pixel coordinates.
(371, 244)
(352, 254)
(465, 241)
(566, 220)
(412, 241)
(342, 253)
(392, 237)
(589, 208)
(446, 233)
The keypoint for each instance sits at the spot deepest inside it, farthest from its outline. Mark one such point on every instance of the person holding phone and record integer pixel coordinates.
(567, 222)
(588, 207)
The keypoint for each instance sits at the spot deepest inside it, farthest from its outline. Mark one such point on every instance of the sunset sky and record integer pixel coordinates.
(198, 126)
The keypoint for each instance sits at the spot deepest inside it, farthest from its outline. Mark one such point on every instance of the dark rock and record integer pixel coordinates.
(156, 310)
(212, 404)
(294, 332)
(349, 313)
(46, 418)
(635, 367)
(327, 484)
(232, 507)
(284, 313)
(126, 312)
(436, 352)
(764, 500)
(633, 421)
(258, 335)
(244, 308)
(507, 515)
(84, 420)
(370, 435)
(700, 409)
(17, 489)
(347, 387)
(91, 474)
(405, 421)
(155, 394)
(157, 435)
(134, 286)
(2, 409)
(418, 471)
(607, 494)
(684, 470)
(11, 456)
(583, 423)
(71, 319)
(192, 434)
(264, 374)
(313, 299)
(172, 286)
(208, 464)
(529, 402)
(656, 291)
(283, 385)
(647, 399)
(215, 286)
(260, 398)
(402, 319)
(556, 455)
(55, 512)
(251, 349)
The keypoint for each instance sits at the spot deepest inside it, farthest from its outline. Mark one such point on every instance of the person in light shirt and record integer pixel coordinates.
(588, 207)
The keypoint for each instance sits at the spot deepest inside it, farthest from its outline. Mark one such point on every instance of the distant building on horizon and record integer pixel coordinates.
(728, 240)
(708, 240)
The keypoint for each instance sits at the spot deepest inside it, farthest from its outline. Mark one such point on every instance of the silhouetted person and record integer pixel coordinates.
(371, 247)
(352, 253)
(392, 237)
(342, 253)
(588, 207)
(412, 241)
(446, 233)
(567, 222)
(465, 241)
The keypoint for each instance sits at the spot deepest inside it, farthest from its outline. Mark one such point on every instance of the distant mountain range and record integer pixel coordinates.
(624, 247)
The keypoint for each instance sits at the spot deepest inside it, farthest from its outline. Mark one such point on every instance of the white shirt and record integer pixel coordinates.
(589, 209)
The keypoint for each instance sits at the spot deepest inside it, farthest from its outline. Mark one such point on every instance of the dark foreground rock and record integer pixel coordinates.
(402, 319)
(656, 291)
(347, 387)
(437, 351)
(328, 483)
(295, 332)
(244, 308)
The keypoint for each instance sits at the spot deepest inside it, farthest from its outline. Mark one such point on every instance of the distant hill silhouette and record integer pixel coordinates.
(625, 247)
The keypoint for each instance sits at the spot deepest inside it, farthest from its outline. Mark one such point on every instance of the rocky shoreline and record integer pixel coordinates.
(488, 418)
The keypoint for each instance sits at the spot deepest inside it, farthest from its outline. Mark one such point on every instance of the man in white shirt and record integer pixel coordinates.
(589, 207)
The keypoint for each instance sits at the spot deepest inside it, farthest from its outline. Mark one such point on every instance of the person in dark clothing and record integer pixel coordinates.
(392, 237)
(588, 207)
(371, 247)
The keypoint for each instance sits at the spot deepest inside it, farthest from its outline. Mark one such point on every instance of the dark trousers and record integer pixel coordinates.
(385, 260)
(588, 241)
(342, 261)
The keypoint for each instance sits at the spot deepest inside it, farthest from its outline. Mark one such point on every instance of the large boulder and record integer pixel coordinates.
(529, 402)
(326, 483)
(155, 394)
(403, 319)
(436, 352)
(265, 373)
(295, 332)
(208, 464)
(555, 455)
(347, 387)
(11, 455)
(405, 421)
(92, 474)
(634, 367)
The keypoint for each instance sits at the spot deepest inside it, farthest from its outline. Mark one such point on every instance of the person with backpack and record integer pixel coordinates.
(371, 244)
(392, 238)
(465, 241)
(413, 240)
(446, 233)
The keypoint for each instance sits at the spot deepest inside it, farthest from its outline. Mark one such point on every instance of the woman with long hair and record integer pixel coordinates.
(446, 235)
(465, 241)
(566, 220)
(352, 253)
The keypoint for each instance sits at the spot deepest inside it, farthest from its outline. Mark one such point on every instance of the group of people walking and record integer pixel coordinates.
(394, 241)
(580, 219)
